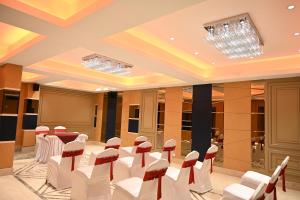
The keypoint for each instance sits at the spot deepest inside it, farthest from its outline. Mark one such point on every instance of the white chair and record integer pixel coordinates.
(241, 192)
(60, 129)
(202, 171)
(146, 188)
(43, 150)
(114, 143)
(61, 167)
(167, 151)
(133, 165)
(93, 182)
(253, 179)
(176, 181)
(55, 145)
(40, 130)
(82, 137)
(130, 151)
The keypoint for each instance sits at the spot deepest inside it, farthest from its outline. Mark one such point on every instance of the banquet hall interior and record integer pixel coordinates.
(149, 100)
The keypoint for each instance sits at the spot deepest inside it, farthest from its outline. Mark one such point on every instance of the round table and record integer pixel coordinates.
(66, 136)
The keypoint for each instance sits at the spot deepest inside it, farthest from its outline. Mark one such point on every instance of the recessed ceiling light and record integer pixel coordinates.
(105, 89)
(290, 7)
(296, 34)
(98, 89)
(196, 53)
(251, 57)
(213, 63)
(172, 38)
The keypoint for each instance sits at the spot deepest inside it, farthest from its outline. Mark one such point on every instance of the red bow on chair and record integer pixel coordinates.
(169, 150)
(210, 156)
(151, 175)
(137, 143)
(112, 146)
(41, 132)
(272, 187)
(110, 160)
(72, 154)
(190, 164)
(143, 150)
(282, 174)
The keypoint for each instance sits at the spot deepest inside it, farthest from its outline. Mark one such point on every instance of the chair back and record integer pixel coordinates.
(186, 174)
(259, 192)
(282, 172)
(82, 137)
(114, 142)
(168, 149)
(140, 140)
(104, 163)
(271, 187)
(42, 130)
(43, 149)
(209, 158)
(60, 129)
(142, 154)
(71, 155)
(152, 179)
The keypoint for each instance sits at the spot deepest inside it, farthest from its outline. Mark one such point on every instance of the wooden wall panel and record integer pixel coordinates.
(73, 109)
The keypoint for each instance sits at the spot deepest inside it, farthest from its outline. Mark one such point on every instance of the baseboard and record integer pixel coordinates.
(6, 171)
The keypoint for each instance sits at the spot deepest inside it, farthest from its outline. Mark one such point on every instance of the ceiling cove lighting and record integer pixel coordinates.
(107, 65)
(236, 37)
(291, 7)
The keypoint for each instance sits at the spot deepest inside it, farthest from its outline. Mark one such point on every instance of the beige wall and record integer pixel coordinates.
(283, 125)
(173, 116)
(129, 97)
(73, 109)
(10, 76)
(237, 125)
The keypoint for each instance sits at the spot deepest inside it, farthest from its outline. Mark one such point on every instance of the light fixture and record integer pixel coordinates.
(296, 34)
(236, 37)
(213, 63)
(290, 7)
(196, 53)
(98, 89)
(172, 38)
(106, 65)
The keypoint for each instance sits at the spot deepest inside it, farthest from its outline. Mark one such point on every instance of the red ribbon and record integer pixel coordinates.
(272, 187)
(169, 150)
(60, 130)
(41, 132)
(190, 164)
(282, 174)
(143, 150)
(151, 175)
(72, 154)
(110, 160)
(137, 143)
(210, 156)
(112, 146)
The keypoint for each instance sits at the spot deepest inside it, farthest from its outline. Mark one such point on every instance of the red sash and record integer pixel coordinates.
(137, 143)
(151, 175)
(143, 150)
(60, 130)
(190, 164)
(72, 154)
(282, 174)
(110, 160)
(41, 132)
(112, 146)
(210, 156)
(169, 150)
(272, 187)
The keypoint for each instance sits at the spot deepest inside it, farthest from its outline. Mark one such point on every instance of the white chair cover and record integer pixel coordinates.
(167, 151)
(60, 129)
(60, 167)
(114, 143)
(130, 151)
(93, 182)
(43, 150)
(176, 182)
(38, 147)
(40, 130)
(202, 171)
(55, 145)
(146, 188)
(253, 179)
(82, 137)
(133, 165)
(242, 192)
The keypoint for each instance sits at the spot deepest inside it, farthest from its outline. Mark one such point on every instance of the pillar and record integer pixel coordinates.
(110, 130)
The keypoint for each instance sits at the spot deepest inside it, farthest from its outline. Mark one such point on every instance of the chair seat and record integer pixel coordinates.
(132, 186)
(155, 155)
(253, 179)
(238, 192)
(128, 149)
(55, 159)
(173, 173)
(87, 170)
(128, 161)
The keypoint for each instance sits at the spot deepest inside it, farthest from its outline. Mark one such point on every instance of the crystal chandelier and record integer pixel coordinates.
(106, 65)
(236, 37)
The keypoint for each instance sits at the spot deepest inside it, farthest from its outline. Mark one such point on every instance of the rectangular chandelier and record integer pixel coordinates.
(236, 37)
(107, 65)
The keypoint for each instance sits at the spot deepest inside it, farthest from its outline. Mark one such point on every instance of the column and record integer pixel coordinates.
(110, 130)
(98, 114)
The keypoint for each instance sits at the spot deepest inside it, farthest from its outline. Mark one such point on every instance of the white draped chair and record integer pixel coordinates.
(61, 167)
(39, 131)
(167, 151)
(82, 137)
(202, 171)
(55, 145)
(43, 150)
(93, 182)
(60, 129)
(262, 191)
(133, 165)
(176, 182)
(130, 151)
(114, 143)
(253, 179)
(146, 188)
